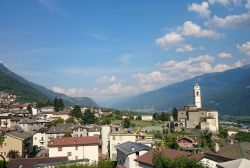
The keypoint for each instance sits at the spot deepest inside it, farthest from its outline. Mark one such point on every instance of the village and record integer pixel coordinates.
(45, 135)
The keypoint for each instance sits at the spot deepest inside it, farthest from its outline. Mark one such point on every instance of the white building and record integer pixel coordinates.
(127, 153)
(75, 148)
(40, 138)
(146, 117)
(105, 139)
(118, 138)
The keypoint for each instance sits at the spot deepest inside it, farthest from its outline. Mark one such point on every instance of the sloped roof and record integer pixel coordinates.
(30, 162)
(239, 163)
(131, 147)
(147, 158)
(74, 141)
(19, 135)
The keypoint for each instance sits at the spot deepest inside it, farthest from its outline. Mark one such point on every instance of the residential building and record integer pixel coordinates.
(61, 114)
(79, 131)
(186, 142)
(94, 130)
(118, 138)
(35, 162)
(146, 160)
(32, 125)
(239, 163)
(40, 138)
(127, 152)
(17, 141)
(105, 139)
(75, 148)
(146, 117)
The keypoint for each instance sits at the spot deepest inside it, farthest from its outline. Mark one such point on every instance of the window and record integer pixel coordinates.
(197, 93)
(5, 144)
(76, 157)
(69, 154)
(76, 148)
(137, 154)
(114, 138)
(59, 148)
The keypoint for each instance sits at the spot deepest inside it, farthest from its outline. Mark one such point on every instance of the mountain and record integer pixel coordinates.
(228, 92)
(28, 91)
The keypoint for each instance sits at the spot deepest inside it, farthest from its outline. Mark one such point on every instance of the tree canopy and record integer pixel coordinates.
(58, 104)
(77, 112)
(89, 117)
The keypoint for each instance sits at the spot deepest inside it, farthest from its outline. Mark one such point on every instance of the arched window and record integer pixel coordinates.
(197, 93)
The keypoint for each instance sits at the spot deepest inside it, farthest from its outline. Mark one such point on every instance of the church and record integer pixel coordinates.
(195, 116)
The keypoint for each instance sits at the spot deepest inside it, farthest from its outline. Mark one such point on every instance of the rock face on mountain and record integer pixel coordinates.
(228, 92)
(28, 91)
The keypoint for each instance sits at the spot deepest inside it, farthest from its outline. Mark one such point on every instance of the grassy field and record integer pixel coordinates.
(138, 123)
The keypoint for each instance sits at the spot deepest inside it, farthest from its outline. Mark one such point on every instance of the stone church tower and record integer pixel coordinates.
(197, 95)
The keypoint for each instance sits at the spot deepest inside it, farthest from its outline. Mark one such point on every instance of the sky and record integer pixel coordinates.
(111, 49)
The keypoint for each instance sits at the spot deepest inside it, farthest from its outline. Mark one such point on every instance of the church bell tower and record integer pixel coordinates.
(197, 95)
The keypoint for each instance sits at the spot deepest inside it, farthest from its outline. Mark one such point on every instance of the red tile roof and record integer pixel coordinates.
(147, 158)
(75, 141)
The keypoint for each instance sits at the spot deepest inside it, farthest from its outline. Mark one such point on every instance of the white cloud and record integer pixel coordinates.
(69, 92)
(202, 9)
(191, 29)
(230, 21)
(247, 5)
(150, 80)
(169, 40)
(185, 48)
(224, 54)
(125, 58)
(222, 2)
(117, 88)
(107, 79)
(245, 48)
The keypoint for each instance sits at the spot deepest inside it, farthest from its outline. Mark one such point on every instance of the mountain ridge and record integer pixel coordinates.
(15, 84)
(227, 92)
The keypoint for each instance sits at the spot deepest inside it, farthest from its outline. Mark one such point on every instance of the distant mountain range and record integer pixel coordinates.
(28, 91)
(228, 92)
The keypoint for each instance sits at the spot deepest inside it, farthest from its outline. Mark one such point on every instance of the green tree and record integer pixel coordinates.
(13, 154)
(29, 109)
(161, 161)
(223, 132)
(70, 120)
(2, 137)
(175, 114)
(60, 104)
(77, 112)
(56, 104)
(243, 136)
(156, 116)
(88, 117)
(106, 121)
(126, 123)
(57, 121)
(138, 117)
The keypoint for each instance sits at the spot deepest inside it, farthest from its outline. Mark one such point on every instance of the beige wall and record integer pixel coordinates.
(11, 143)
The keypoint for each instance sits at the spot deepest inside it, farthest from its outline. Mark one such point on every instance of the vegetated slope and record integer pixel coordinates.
(228, 92)
(28, 91)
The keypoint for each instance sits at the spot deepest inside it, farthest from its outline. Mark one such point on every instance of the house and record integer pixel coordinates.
(127, 152)
(79, 131)
(94, 130)
(40, 139)
(186, 142)
(211, 160)
(61, 114)
(59, 130)
(47, 109)
(146, 160)
(8, 121)
(75, 148)
(146, 117)
(17, 141)
(239, 163)
(32, 125)
(35, 162)
(118, 138)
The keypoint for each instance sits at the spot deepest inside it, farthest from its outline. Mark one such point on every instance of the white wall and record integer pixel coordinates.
(105, 139)
(209, 163)
(116, 139)
(40, 140)
(146, 118)
(89, 152)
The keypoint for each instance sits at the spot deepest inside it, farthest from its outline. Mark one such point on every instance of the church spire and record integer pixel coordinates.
(197, 95)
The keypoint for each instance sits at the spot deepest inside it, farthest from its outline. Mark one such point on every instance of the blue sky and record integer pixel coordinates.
(112, 49)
